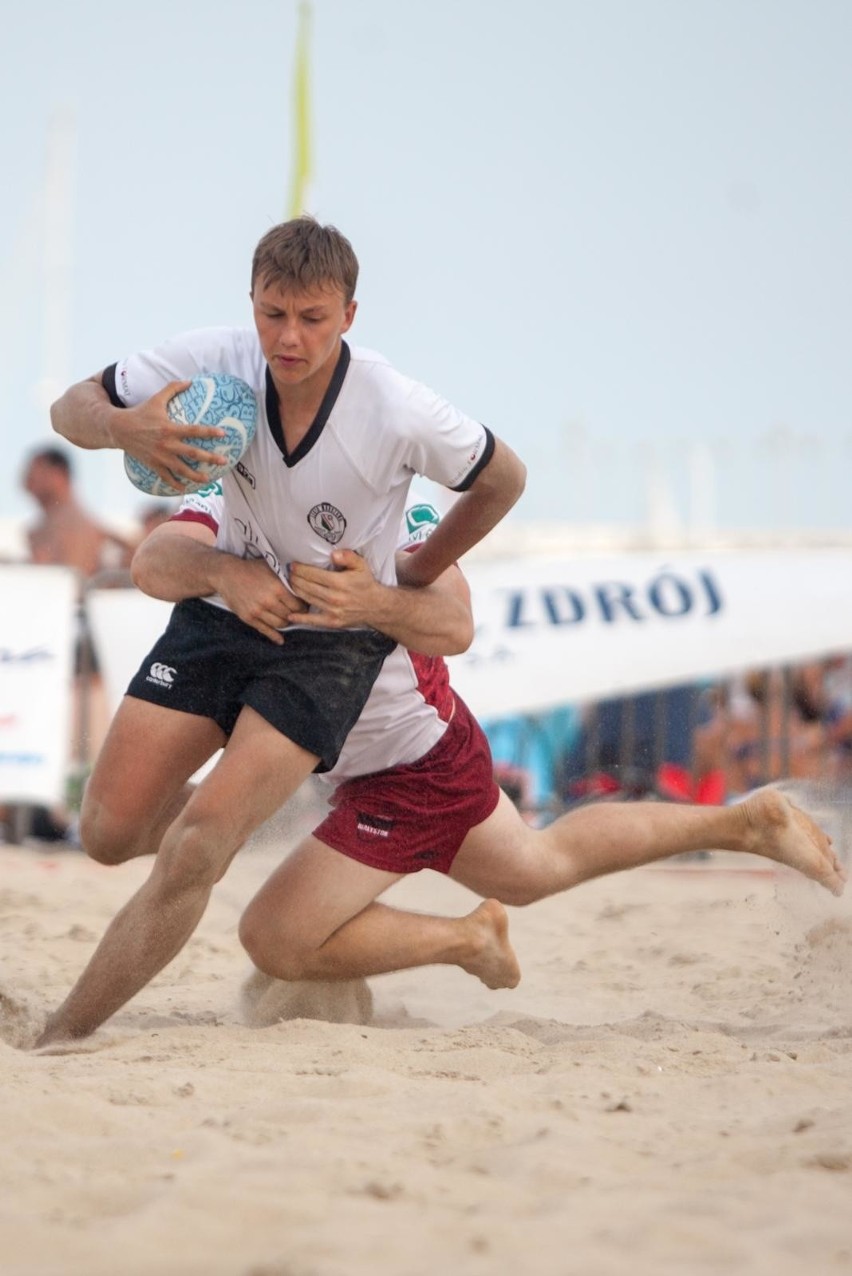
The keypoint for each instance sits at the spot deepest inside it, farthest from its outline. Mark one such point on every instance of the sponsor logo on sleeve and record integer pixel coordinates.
(468, 465)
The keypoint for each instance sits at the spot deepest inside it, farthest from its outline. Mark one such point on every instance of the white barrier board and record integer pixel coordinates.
(562, 631)
(124, 625)
(38, 620)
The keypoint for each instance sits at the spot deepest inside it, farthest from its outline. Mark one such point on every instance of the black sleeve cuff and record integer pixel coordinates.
(487, 454)
(108, 380)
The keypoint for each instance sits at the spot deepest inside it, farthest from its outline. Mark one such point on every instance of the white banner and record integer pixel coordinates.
(563, 631)
(38, 619)
(124, 625)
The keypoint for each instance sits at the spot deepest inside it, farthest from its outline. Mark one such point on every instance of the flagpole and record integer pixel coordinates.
(301, 171)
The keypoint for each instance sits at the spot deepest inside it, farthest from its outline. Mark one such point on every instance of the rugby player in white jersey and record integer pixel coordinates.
(415, 786)
(340, 435)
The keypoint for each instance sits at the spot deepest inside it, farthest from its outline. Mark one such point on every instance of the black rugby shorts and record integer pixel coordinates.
(312, 689)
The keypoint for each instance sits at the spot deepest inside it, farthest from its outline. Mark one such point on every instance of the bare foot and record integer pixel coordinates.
(490, 955)
(781, 831)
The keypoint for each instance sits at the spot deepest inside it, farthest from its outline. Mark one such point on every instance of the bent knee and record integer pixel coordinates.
(270, 948)
(192, 857)
(517, 897)
(520, 891)
(105, 838)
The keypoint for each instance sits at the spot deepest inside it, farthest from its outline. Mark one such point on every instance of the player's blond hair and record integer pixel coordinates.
(302, 254)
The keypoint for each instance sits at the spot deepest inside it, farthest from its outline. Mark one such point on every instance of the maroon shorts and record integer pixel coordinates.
(417, 816)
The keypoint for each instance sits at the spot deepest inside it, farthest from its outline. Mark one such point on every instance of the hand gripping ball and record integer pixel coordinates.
(214, 398)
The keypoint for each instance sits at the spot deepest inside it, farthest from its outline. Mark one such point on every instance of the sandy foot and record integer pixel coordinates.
(781, 831)
(492, 958)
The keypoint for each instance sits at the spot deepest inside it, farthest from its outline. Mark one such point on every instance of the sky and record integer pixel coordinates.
(616, 231)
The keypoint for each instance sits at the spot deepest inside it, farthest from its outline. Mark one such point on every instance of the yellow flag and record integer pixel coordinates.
(301, 179)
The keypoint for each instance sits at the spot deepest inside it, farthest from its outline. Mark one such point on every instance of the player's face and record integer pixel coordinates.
(300, 331)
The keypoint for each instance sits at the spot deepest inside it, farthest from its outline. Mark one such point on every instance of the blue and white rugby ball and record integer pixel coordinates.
(214, 398)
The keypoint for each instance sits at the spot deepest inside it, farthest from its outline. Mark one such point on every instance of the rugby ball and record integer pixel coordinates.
(213, 398)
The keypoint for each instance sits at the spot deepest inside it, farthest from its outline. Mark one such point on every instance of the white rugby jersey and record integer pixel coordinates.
(346, 483)
(411, 701)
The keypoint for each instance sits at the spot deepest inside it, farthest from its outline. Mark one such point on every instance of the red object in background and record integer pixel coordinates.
(676, 783)
(599, 784)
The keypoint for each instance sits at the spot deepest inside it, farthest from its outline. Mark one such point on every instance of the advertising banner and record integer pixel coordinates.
(558, 631)
(553, 631)
(38, 619)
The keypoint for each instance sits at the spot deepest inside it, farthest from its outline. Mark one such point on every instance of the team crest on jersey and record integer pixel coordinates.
(421, 521)
(327, 522)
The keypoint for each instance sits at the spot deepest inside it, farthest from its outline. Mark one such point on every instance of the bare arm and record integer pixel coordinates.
(85, 416)
(435, 619)
(492, 494)
(180, 560)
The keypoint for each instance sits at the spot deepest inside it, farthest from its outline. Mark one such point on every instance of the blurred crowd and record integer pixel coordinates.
(778, 723)
(716, 741)
(709, 743)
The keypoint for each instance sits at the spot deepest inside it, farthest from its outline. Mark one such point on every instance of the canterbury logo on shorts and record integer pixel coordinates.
(161, 675)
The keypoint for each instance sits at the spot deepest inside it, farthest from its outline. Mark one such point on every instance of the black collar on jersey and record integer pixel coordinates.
(273, 411)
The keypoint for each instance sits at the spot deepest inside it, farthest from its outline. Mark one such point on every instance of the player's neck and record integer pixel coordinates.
(299, 403)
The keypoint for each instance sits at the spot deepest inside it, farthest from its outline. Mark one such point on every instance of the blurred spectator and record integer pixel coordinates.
(151, 516)
(763, 728)
(710, 744)
(823, 692)
(65, 534)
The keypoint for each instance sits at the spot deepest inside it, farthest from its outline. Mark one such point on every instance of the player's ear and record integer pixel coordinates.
(349, 315)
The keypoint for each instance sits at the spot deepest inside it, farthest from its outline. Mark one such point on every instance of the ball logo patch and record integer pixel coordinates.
(327, 522)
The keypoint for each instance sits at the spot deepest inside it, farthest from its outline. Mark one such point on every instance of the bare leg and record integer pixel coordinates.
(137, 788)
(258, 771)
(316, 918)
(505, 858)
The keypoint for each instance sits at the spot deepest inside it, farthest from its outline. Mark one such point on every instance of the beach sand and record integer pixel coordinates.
(669, 1090)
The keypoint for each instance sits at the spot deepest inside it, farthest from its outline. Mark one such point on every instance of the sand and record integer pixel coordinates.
(669, 1090)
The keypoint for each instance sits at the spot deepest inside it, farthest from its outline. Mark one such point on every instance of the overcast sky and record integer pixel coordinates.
(614, 230)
